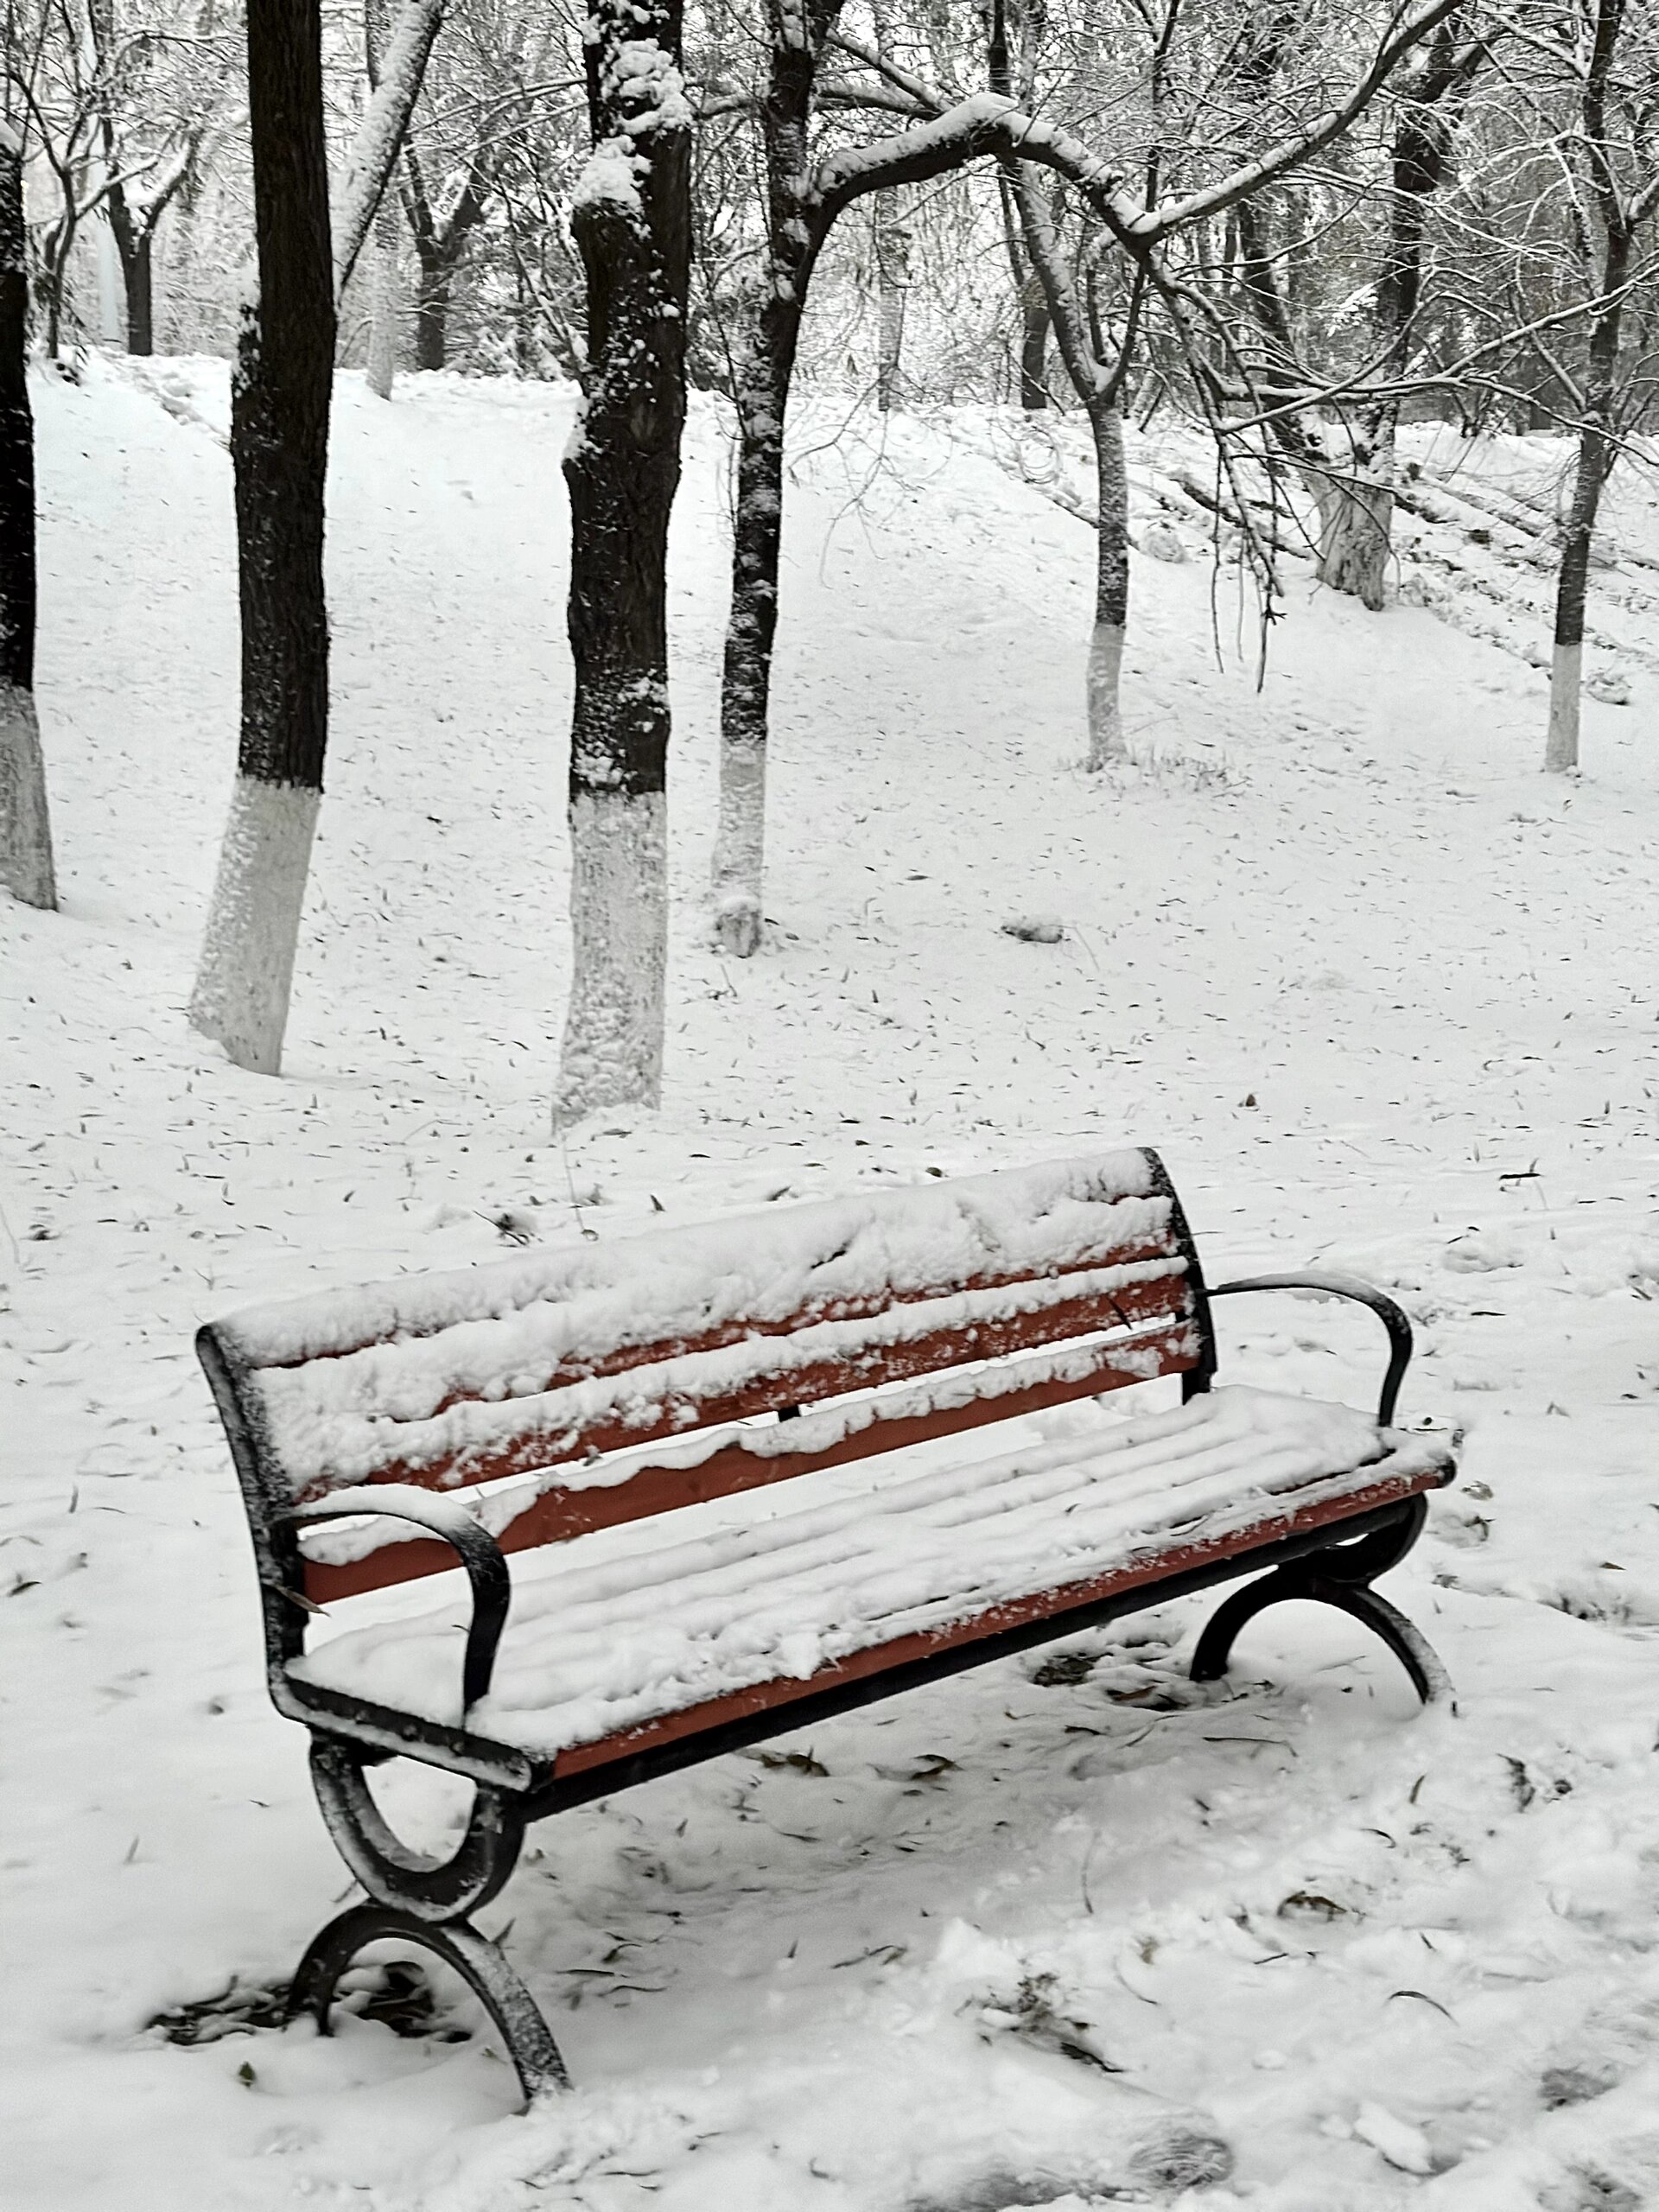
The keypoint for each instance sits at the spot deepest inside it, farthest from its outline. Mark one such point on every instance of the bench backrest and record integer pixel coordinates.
(569, 1391)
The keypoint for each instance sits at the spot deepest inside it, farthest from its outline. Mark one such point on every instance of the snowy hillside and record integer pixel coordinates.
(1384, 997)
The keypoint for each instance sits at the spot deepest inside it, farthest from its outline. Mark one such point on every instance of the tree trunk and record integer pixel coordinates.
(279, 449)
(1111, 589)
(764, 377)
(26, 869)
(893, 284)
(1033, 347)
(632, 222)
(1567, 662)
(432, 313)
(140, 274)
(751, 629)
(1356, 510)
(1596, 446)
(382, 365)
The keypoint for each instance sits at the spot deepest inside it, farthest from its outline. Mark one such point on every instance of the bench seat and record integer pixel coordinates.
(633, 1636)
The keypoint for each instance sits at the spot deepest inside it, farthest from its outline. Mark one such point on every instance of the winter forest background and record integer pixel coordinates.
(1099, 564)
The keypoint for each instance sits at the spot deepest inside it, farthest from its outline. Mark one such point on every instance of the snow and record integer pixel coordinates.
(450, 1366)
(629, 1625)
(1350, 899)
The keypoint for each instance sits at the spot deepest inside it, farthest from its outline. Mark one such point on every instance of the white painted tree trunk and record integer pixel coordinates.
(253, 924)
(1566, 674)
(612, 1052)
(740, 847)
(1106, 740)
(26, 868)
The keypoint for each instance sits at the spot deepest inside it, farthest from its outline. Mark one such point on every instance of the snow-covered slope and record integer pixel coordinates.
(1383, 995)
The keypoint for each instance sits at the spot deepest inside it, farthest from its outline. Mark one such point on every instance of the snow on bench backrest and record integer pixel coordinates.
(619, 1380)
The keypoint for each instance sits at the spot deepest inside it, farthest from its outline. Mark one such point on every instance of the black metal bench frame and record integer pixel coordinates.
(427, 1902)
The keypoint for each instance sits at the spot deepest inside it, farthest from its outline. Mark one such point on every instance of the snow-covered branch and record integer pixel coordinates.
(380, 134)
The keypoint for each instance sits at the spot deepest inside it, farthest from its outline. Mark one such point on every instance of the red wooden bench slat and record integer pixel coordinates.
(559, 1512)
(870, 1369)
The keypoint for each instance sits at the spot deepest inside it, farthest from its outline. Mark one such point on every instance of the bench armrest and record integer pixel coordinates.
(487, 1570)
(1391, 1316)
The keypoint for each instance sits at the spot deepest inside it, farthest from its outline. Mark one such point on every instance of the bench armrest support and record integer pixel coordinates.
(1391, 1316)
(480, 1553)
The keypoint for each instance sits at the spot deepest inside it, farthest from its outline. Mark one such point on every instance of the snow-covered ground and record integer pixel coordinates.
(1384, 998)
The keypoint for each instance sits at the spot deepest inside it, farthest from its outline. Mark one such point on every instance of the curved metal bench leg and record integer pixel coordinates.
(479, 1962)
(1340, 1576)
(435, 1890)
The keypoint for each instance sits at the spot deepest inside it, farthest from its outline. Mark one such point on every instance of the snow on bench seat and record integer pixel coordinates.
(635, 1633)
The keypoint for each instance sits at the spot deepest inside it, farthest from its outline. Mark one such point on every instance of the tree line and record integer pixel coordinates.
(1291, 226)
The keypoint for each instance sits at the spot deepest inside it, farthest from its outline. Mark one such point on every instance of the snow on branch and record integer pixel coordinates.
(989, 125)
(380, 134)
(641, 95)
(1290, 153)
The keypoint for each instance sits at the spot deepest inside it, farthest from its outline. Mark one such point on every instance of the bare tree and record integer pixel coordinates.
(1346, 459)
(632, 217)
(804, 201)
(279, 447)
(26, 868)
(1613, 159)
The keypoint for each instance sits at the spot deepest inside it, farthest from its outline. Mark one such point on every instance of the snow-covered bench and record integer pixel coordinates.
(734, 1460)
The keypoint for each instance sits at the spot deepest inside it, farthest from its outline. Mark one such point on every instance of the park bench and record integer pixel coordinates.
(626, 1413)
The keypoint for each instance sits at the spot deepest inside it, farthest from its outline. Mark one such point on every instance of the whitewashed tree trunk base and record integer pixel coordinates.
(1106, 740)
(739, 849)
(611, 1054)
(26, 868)
(253, 924)
(1565, 675)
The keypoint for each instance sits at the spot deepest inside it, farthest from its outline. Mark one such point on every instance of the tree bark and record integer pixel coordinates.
(439, 249)
(133, 244)
(764, 377)
(1594, 464)
(632, 218)
(432, 315)
(26, 864)
(1597, 450)
(279, 449)
(1106, 742)
(1033, 347)
(893, 284)
(381, 367)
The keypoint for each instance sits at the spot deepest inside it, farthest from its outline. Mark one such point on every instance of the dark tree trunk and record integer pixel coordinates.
(1597, 447)
(439, 251)
(279, 451)
(26, 868)
(432, 313)
(140, 274)
(134, 244)
(1033, 348)
(764, 378)
(632, 224)
(17, 585)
